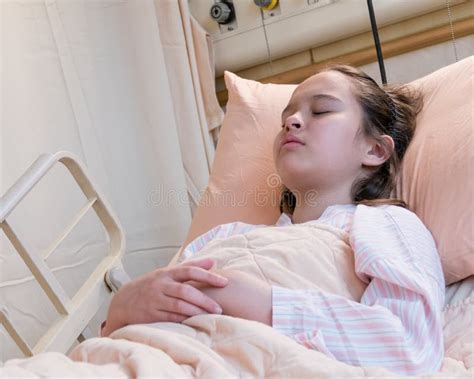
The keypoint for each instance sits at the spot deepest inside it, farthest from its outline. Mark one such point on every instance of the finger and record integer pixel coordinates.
(178, 306)
(205, 263)
(170, 316)
(186, 273)
(186, 299)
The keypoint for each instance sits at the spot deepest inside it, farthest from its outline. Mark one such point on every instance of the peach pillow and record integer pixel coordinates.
(437, 173)
(244, 185)
(436, 178)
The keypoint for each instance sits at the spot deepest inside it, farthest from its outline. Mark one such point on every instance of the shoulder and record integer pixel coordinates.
(395, 227)
(401, 214)
(390, 225)
(395, 235)
(384, 215)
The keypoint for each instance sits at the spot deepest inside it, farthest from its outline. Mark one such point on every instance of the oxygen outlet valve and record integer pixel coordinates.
(267, 5)
(222, 12)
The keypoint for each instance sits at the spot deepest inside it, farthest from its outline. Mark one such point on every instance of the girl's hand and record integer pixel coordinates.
(244, 296)
(162, 295)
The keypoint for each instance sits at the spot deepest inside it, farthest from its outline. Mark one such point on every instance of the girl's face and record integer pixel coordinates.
(324, 119)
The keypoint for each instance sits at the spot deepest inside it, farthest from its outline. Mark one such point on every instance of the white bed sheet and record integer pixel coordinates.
(459, 291)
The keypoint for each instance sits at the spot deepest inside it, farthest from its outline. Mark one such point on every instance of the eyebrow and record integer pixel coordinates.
(317, 97)
(325, 96)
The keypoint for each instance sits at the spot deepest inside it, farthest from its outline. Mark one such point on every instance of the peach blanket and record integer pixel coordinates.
(218, 346)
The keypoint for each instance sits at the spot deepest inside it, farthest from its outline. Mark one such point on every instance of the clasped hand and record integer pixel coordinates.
(164, 295)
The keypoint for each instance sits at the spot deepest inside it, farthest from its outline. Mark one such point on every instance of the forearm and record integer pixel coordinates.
(244, 296)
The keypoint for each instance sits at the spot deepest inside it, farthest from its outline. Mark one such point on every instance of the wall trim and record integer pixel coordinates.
(364, 56)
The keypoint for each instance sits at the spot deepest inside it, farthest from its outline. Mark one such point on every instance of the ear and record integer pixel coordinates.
(377, 153)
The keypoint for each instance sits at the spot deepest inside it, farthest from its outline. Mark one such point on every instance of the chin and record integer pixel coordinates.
(291, 177)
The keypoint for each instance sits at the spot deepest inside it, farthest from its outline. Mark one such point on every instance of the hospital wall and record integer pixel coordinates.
(416, 38)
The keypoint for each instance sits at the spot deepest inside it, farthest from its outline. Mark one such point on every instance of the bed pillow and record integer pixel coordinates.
(437, 172)
(436, 177)
(243, 185)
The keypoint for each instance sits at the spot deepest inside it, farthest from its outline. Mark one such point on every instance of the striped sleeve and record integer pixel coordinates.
(398, 322)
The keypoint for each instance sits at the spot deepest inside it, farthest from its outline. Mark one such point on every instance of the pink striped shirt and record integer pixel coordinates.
(398, 322)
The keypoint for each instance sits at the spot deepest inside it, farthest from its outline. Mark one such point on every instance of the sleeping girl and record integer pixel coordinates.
(342, 137)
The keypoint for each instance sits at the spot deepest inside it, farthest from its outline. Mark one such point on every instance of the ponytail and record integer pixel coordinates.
(393, 113)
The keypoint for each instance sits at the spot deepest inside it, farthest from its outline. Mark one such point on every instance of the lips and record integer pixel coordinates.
(291, 140)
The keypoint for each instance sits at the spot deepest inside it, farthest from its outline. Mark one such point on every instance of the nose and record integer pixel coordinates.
(293, 122)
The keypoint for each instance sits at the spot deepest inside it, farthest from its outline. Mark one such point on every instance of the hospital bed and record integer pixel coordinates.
(253, 347)
(76, 313)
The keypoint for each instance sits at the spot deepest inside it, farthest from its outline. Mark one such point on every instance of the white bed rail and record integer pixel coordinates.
(76, 312)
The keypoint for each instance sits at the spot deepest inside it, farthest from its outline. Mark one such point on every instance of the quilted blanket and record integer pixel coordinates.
(220, 346)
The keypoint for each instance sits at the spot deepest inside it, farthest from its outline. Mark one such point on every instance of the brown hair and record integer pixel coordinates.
(390, 110)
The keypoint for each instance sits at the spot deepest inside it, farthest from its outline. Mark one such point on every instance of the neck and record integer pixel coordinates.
(311, 208)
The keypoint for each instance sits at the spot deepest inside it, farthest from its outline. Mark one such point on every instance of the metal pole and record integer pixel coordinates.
(375, 33)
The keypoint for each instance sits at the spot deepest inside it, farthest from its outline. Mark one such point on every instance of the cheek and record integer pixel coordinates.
(276, 146)
(338, 138)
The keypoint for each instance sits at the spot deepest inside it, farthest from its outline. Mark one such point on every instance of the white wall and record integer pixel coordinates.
(298, 25)
(416, 64)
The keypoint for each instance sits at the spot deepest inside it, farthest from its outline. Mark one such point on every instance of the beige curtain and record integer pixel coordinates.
(190, 64)
(120, 83)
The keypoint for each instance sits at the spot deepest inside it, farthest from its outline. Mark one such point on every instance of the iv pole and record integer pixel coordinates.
(378, 48)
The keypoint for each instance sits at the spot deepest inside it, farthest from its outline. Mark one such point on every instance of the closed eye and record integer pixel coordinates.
(320, 113)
